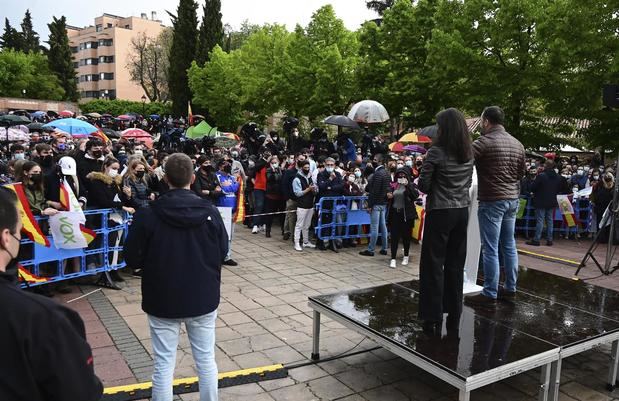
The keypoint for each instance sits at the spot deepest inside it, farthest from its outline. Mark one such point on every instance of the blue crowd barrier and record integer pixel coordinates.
(50, 263)
(342, 217)
(583, 210)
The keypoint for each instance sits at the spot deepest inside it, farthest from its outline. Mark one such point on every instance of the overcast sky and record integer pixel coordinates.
(82, 13)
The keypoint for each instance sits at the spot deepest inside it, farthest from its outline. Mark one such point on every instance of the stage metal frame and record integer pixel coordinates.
(545, 360)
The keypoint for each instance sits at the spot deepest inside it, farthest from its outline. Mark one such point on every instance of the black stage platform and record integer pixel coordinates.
(551, 318)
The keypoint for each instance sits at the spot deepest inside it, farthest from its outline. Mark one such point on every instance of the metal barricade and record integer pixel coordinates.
(583, 210)
(343, 217)
(49, 264)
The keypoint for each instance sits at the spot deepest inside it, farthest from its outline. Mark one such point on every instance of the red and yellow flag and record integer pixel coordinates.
(567, 210)
(189, 113)
(65, 199)
(24, 275)
(30, 227)
(89, 235)
(239, 216)
(417, 232)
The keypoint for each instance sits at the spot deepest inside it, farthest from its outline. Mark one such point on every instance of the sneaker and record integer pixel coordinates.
(286, 236)
(479, 300)
(297, 247)
(383, 251)
(255, 230)
(392, 264)
(137, 273)
(548, 243)
(366, 253)
(533, 243)
(404, 260)
(309, 245)
(230, 262)
(263, 228)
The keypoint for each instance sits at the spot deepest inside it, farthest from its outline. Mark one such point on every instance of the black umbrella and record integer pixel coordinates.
(110, 133)
(35, 126)
(341, 121)
(431, 131)
(14, 119)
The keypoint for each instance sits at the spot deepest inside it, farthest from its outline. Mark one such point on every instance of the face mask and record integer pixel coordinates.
(113, 173)
(400, 166)
(329, 169)
(275, 165)
(97, 154)
(608, 179)
(138, 152)
(596, 177)
(36, 178)
(351, 178)
(275, 138)
(586, 169)
(418, 163)
(19, 156)
(392, 169)
(306, 171)
(402, 181)
(533, 166)
(61, 146)
(358, 174)
(251, 163)
(140, 174)
(580, 172)
(409, 163)
(235, 155)
(47, 161)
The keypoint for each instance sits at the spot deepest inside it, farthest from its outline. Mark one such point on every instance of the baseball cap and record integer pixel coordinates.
(67, 165)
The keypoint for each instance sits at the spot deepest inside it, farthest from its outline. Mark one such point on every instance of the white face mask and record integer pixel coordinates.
(358, 174)
(113, 173)
(409, 163)
(402, 181)
(351, 178)
(139, 152)
(400, 166)
(275, 165)
(330, 169)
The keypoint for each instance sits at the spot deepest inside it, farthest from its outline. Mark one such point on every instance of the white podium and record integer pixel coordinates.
(473, 245)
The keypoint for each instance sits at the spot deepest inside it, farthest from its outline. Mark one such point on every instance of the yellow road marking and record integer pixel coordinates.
(572, 262)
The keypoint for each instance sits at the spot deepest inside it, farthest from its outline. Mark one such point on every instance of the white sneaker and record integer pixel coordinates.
(254, 230)
(263, 228)
(392, 264)
(309, 245)
(405, 261)
(297, 247)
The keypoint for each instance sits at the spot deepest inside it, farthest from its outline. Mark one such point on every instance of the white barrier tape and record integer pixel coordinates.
(84, 296)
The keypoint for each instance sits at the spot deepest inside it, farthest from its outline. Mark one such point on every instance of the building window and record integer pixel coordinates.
(74, 49)
(105, 42)
(76, 64)
(99, 28)
(127, 26)
(108, 76)
(109, 25)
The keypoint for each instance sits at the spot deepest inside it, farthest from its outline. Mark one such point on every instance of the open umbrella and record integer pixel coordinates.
(155, 116)
(341, 121)
(35, 126)
(200, 130)
(396, 147)
(110, 133)
(93, 115)
(368, 112)
(13, 134)
(138, 135)
(125, 117)
(66, 113)
(21, 113)
(412, 137)
(431, 131)
(38, 114)
(73, 127)
(14, 119)
(225, 141)
(416, 149)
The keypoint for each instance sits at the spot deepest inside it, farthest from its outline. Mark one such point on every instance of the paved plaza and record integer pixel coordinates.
(264, 319)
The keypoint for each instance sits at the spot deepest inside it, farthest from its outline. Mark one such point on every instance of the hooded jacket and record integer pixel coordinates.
(411, 194)
(105, 191)
(180, 243)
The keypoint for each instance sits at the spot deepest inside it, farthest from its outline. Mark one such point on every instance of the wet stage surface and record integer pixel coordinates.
(549, 312)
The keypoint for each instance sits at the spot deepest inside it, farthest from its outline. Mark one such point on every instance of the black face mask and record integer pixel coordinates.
(306, 172)
(47, 161)
(418, 163)
(36, 178)
(392, 169)
(140, 174)
(97, 154)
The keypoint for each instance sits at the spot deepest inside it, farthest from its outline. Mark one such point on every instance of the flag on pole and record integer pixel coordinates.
(567, 210)
(89, 235)
(239, 216)
(68, 200)
(419, 222)
(189, 113)
(29, 224)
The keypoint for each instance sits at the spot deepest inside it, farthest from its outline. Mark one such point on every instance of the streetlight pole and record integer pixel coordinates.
(23, 92)
(143, 105)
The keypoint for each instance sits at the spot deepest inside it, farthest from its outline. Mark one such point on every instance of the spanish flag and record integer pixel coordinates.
(567, 210)
(89, 235)
(24, 275)
(239, 216)
(417, 232)
(189, 113)
(65, 198)
(30, 227)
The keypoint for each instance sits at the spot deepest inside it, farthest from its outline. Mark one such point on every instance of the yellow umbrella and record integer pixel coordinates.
(412, 137)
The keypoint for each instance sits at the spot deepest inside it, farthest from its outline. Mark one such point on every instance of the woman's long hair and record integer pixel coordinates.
(453, 135)
(130, 174)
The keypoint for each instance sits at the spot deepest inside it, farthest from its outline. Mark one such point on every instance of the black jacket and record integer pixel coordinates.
(378, 186)
(274, 183)
(546, 187)
(286, 183)
(411, 195)
(85, 166)
(328, 187)
(45, 355)
(206, 182)
(180, 243)
(445, 181)
(105, 191)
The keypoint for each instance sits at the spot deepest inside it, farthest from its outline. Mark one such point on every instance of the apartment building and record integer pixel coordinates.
(101, 52)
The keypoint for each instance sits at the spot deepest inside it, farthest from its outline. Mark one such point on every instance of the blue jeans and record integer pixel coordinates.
(258, 207)
(378, 219)
(164, 336)
(497, 222)
(542, 215)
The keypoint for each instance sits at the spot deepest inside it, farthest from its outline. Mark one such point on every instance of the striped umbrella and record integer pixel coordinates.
(396, 147)
(368, 112)
(413, 137)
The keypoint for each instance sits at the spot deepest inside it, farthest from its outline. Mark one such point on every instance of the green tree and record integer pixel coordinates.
(29, 71)
(216, 87)
(60, 57)
(10, 39)
(235, 39)
(211, 31)
(182, 52)
(30, 39)
(117, 107)
(380, 6)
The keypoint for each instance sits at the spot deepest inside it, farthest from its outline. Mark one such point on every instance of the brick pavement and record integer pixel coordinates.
(264, 319)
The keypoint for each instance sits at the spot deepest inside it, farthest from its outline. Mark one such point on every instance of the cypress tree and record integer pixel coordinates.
(30, 39)
(182, 53)
(10, 39)
(211, 30)
(60, 57)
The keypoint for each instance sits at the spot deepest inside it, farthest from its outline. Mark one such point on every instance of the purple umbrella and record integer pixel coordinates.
(415, 148)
